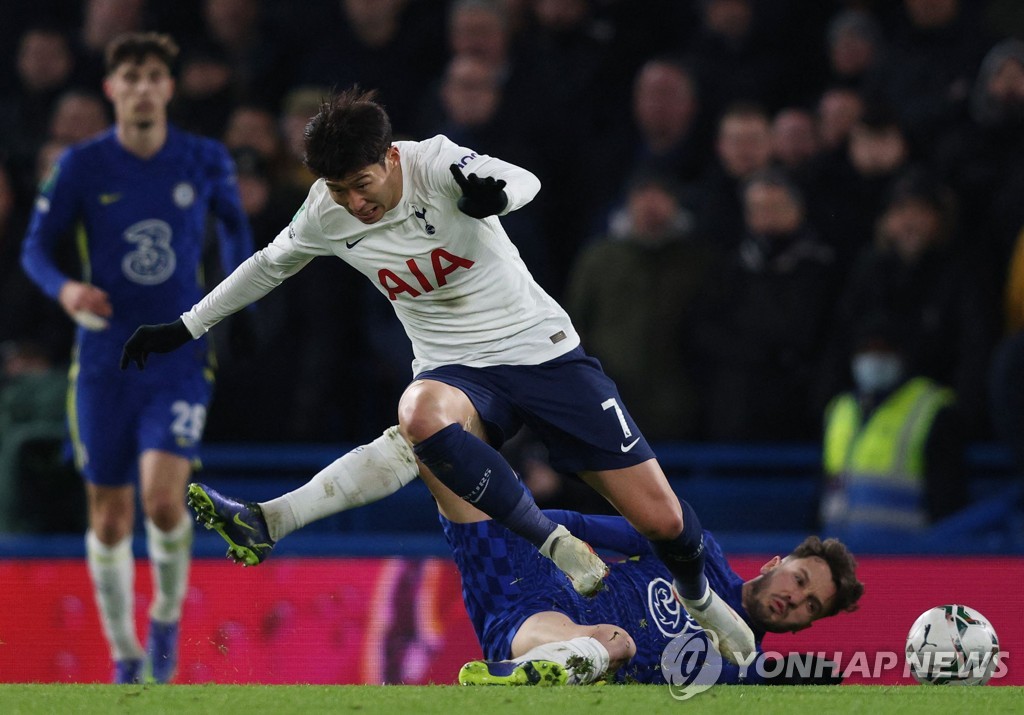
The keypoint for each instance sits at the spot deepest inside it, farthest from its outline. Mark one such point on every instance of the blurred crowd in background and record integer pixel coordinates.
(739, 196)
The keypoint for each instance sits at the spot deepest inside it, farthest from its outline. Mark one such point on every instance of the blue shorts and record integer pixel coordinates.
(569, 402)
(115, 416)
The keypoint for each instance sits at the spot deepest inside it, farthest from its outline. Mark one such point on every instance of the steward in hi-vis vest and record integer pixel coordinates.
(883, 475)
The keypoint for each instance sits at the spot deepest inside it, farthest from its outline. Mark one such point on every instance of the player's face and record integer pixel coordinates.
(140, 92)
(790, 594)
(370, 192)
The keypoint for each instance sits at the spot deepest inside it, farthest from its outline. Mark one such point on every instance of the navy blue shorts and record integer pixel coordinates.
(569, 403)
(113, 418)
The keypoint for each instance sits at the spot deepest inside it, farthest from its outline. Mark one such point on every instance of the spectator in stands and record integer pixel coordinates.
(102, 21)
(395, 46)
(930, 288)
(934, 57)
(984, 160)
(762, 324)
(731, 61)
(856, 49)
(27, 314)
(483, 29)
(795, 140)
(78, 115)
(33, 461)
(838, 110)
(257, 49)
(266, 207)
(300, 105)
(663, 131)
(743, 147)
(206, 92)
(893, 446)
(847, 188)
(631, 294)
(45, 68)
(253, 126)
(565, 42)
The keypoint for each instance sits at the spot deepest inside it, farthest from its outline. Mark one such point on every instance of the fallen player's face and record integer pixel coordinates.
(791, 594)
(370, 192)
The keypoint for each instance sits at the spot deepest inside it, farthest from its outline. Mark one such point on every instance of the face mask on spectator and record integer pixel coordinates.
(875, 372)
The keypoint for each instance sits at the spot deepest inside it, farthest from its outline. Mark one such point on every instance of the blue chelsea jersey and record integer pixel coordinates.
(140, 227)
(505, 580)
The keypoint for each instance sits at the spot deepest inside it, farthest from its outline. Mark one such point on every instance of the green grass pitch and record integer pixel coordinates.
(445, 699)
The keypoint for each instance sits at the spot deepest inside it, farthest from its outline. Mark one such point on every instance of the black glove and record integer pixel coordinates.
(480, 197)
(153, 339)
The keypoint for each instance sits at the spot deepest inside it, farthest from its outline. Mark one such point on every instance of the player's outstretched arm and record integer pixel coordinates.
(481, 196)
(148, 339)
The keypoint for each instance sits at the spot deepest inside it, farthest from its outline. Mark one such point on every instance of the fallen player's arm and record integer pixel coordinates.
(608, 533)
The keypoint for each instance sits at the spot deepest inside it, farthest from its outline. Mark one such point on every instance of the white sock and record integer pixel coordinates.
(112, 569)
(589, 658)
(364, 475)
(170, 554)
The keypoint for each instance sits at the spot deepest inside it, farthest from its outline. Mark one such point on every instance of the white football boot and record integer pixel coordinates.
(585, 569)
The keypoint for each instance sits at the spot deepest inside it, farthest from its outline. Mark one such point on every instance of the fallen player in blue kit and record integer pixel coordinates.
(533, 627)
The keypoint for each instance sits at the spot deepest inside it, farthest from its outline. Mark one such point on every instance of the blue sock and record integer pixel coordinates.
(684, 555)
(476, 472)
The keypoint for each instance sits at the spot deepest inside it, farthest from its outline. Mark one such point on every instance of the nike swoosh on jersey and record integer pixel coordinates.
(627, 447)
(107, 199)
(352, 244)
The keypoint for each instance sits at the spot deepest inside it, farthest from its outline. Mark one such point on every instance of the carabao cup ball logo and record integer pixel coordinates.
(690, 663)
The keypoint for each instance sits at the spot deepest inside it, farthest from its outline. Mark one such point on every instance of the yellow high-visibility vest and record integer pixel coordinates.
(876, 468)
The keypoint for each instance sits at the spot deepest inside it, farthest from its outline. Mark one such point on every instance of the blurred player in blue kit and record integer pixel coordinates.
(138, 197)
(533, 627)
(493, 351)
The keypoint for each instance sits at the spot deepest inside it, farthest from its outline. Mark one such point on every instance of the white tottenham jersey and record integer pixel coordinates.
(457, 283)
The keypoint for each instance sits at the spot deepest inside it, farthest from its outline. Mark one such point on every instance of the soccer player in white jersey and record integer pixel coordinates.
(492, 350)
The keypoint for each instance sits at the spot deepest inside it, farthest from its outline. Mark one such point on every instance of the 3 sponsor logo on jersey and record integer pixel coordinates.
(153, 260)
(107, 199)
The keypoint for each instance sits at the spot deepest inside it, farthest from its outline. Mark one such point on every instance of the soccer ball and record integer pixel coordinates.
(952, 645)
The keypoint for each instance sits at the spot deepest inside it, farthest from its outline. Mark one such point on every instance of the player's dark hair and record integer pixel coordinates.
(843, 567)
(350, 132)
(135, 47)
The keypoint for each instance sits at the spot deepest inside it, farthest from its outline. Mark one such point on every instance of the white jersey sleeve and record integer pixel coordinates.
(266, 269)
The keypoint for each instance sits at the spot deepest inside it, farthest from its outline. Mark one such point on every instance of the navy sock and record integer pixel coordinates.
(684, 555)
(476, 472)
